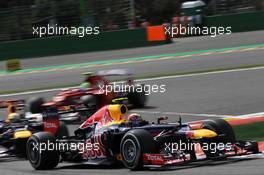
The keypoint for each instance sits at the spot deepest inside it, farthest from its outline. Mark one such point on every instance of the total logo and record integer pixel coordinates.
(50, 125)
(154, 157)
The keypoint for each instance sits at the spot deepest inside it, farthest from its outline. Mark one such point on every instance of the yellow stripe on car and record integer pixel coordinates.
(203, 133)
(22, 134)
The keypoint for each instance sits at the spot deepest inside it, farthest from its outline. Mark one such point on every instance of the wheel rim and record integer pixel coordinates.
(33, 151)
(129, 151)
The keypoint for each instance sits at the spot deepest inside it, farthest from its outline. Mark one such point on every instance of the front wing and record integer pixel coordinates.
(161, 160)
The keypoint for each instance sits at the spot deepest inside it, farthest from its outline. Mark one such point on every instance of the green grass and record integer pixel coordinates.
(254, 131)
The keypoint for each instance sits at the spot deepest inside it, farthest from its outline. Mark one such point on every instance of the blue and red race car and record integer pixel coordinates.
(112, 136)
(16, 128)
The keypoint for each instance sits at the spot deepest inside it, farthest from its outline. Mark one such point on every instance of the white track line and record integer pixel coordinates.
(245, 116)
(259, 114)
(182, 114)
(235, 117)
(145, 79)
(201, 74)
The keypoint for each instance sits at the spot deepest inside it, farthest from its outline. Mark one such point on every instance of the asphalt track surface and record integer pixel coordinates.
(192, 63)
(226, 93)
(171, 66)
(228, 167)
(230, 93)
(223, 93)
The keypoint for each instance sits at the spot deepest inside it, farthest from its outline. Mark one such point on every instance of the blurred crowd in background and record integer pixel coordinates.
(17, 17)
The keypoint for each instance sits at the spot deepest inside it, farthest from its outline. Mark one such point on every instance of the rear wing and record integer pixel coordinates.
(111, 72)
(17, 103)
(52, 118)
(52, 111)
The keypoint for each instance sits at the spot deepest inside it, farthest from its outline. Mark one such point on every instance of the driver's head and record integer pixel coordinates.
(11, 109)
(88, 76)
(136, 120)
(135, 117)
(13, 118)
(85, 85)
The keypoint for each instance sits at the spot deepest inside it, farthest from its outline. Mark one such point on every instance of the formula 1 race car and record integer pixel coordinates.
(15, 129)
(95, 91)
(110, 136)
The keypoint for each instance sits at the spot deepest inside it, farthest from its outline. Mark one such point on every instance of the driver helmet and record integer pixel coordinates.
(85, 85)
(135, 117)
(13, 118)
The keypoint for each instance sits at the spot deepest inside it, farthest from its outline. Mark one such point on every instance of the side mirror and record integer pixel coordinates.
(81, 132)
(161, 119)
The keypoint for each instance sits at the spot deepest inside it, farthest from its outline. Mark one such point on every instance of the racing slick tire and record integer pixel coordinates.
(35, 105)
(20, 147)
(45, 159)
(138, 99)
(89, 101)
(133, 145)
(92, 103)
(62, 131)
(225, 132)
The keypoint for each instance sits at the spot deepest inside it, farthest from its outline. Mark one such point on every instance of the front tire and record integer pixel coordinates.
(133, 145)
(45, 159)
(225, 134)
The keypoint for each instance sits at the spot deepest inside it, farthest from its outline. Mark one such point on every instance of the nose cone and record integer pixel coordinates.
(202, 133)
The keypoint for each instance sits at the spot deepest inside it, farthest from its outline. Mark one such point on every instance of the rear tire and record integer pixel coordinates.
(35, 105)
(138, 99)
(89, 101)
(62, 131)
(20, 147)
(92, 103)
(47, 159)
(133, 145)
